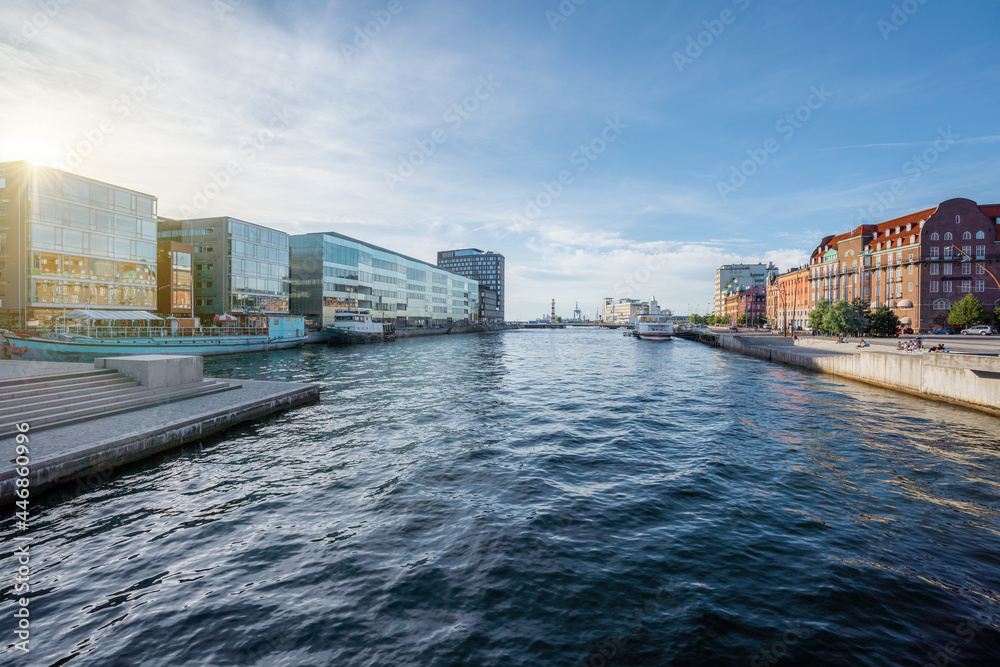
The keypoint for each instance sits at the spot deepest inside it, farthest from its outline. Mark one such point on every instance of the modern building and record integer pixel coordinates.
(624, 311)
(788, 301)
(331, 272)
(486, 268)
(918, 265)
(175, 279)
(733, 276)
(489, 305)
(239, 267)
(70, 242)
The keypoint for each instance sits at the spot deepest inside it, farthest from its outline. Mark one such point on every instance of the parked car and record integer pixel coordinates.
(733, 329)
(980, 329)
(905, 330)
(942, 332)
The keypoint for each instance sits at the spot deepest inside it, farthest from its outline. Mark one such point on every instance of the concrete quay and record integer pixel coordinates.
(84, 447)
(970, 380)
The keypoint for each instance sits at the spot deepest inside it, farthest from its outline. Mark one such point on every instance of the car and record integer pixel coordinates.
(733, 330)
(942, 332)
(980, 329)
(905, 330)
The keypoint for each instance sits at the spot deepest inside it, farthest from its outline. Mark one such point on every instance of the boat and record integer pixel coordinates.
(355, 327)
(115, 333)
(654, 327)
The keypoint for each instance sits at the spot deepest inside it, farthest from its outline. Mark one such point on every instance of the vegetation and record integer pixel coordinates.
(969, 312)
(883, 323)
(742, 319)
(818, 315)
(842, 318)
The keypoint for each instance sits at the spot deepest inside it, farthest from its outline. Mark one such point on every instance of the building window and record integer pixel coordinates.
(966, 236)
(980, 235)
(942, 304)
(980, 251)
(935, 252)
(909, 287)
(947, 269)
(910, 269)
(967, 250)
(947, 252)
(947, 287)
(980, 286)
(935, 287)
(948, 236)
(935, 236)
(966, 285)
(980, 270)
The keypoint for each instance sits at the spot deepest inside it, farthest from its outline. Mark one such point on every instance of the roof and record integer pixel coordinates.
(114, 315)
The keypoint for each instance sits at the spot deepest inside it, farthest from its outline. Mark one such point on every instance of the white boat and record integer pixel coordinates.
(654, 327)
(351, 327)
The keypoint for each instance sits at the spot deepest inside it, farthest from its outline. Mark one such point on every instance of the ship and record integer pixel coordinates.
(355, 327)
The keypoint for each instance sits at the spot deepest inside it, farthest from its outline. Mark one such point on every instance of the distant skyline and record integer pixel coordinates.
(606, 149)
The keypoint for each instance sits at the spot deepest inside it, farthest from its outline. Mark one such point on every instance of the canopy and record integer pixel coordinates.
(114, 315)
(224, 317)
(906, 303)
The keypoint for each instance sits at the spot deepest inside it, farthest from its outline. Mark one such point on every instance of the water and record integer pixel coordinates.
(535, 498)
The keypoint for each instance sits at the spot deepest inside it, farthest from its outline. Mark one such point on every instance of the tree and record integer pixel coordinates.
(742, 319)
(860, 305)
(968, 312)
(559, 318)
(883, 323)
(842, 319)
(818, 314)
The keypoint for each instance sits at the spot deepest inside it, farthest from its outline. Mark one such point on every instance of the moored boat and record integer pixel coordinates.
(354, 327)
(654, 327)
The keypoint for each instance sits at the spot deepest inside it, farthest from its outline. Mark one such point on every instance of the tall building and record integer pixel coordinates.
(331, 272)
(918, 265)
(71, 242)
(486, 268)
(746, 305)
(175, 279)
(239, 267)
(733, 276)
(624, 311)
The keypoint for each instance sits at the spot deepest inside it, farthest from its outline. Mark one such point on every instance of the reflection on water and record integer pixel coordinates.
(537, 497)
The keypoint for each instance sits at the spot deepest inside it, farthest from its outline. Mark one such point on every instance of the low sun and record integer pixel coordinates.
(34, 150)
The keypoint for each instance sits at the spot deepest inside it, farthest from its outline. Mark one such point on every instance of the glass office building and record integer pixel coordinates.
(239, 267)
(486, 268)
(71, 242)
(331, 273)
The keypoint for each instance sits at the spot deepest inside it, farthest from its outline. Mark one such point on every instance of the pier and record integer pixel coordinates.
(84, 419)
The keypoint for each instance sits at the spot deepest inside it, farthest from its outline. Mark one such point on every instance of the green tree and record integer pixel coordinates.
(842, 319)
(861, 306)
(968, 312)
(883, 323)
(742, 319)
(818, 314)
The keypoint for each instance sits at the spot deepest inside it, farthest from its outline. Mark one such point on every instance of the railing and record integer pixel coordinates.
(106, 332)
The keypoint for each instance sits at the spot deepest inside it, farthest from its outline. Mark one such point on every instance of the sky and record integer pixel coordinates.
(607, 149)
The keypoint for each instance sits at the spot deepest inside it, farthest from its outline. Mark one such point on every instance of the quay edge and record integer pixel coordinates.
(971, 381)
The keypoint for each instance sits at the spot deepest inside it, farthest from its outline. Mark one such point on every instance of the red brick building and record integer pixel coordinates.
(748, 301)
(788, 300)
(918, 264)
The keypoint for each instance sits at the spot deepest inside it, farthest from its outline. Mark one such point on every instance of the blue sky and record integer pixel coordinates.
(594, 144)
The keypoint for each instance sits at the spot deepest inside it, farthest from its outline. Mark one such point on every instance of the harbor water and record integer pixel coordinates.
(560, 497)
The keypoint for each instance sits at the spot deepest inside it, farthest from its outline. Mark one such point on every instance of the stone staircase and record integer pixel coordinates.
(48, 401)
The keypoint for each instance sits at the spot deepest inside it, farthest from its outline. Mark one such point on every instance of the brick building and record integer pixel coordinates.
(788, 299)
(918, 264)
(748, 301)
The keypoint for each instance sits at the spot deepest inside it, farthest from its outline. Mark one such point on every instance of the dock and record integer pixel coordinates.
(84, 419)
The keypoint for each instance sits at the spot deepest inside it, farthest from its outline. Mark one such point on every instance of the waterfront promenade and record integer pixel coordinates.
(968, 375)
(96, 446)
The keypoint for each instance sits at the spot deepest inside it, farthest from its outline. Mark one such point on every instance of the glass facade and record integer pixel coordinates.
(88, 244)
(332, 273)
(486, 268)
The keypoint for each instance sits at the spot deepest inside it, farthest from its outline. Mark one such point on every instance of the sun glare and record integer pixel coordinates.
(34, 150)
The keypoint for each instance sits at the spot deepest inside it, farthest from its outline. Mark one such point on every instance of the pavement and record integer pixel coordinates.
(984, 345)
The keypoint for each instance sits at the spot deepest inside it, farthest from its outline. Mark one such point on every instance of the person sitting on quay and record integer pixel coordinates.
(863, 343)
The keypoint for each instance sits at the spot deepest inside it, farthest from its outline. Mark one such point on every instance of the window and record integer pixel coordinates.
(980, 252)
(948, 236)
(935, 251)
(980, 270)
(966, 269)
(935, 269)
(967, 250)
(947, 287)
(966, 285)
(942, 304)
(947, 269)
(980, 235)
(934, 288)
(910, 269)
(966, 236)
(947, 252)
(935, 236)
(899, 257)
(909, 287)
(980, 286)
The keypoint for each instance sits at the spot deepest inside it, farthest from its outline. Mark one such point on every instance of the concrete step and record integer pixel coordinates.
(69, 390)
(121, 387)
(57, 380)
(139, 401)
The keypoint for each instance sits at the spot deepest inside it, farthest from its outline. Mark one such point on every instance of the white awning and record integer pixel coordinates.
(905, 320)
(113, 315)
(906, 303)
